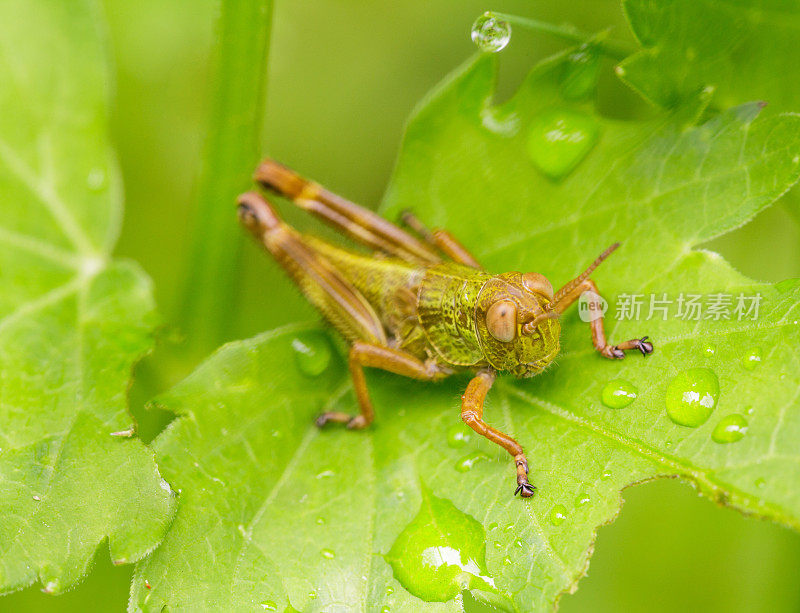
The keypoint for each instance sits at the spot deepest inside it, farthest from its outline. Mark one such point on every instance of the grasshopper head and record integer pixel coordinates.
(518, 330)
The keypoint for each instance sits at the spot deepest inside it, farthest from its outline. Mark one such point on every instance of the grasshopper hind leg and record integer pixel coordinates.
(339, 302)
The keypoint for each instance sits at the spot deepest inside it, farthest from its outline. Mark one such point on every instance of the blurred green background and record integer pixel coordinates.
(343, 77)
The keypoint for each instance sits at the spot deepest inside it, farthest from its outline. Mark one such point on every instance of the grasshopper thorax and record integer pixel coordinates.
(517, 329)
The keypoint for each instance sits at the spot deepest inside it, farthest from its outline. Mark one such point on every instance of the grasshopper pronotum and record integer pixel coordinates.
(413, 312)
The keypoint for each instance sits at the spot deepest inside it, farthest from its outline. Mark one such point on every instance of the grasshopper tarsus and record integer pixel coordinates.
(420, 305)
(525, 490)
(642, 345)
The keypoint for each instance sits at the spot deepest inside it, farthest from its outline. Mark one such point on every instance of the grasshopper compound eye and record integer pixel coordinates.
(538, 283)
(501, 320)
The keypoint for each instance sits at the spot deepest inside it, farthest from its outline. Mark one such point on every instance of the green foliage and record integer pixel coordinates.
(231, 151)
(742, 48)
(72, 321)
(312, 514)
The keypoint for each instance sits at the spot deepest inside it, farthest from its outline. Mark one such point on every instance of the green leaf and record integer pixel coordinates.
(742, 48)
(314, 519)
(72, 321)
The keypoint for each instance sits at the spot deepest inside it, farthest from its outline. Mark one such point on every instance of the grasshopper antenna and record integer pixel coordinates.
(581, 277)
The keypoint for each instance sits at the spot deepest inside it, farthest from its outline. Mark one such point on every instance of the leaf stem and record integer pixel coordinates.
(617, 50)
(231, 152)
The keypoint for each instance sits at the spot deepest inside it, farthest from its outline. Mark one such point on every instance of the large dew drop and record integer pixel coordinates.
(558, 139)
(692, 396)
(490, 33)
(618, 393)
(440, 553)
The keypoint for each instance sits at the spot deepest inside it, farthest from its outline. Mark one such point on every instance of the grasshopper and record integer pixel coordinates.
(420, 306)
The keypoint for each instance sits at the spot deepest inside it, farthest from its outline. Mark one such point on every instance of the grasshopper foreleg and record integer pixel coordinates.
(472, 414)
(614, 352)
(378, 356)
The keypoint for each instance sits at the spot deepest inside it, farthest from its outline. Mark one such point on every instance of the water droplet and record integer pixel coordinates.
(709, 349)
(582, 499)
(498, 545)
(618, 393)
(760, 482)
(490, 33)
(750, 410)
(96, 179)
(389, 590)
(606, 475)
(458, 436)
(312, 352)
(268, 605)
(558, 139)
(509, 528)
(440, 553)
(558, 514)
(730, 429)
(507, 561)
(385, 609)
(467, 462)
(36, 497)
(325, 474)
(580, 73)
(619, 70)
(752, 358)
(312, 595)
(691, 396)
(519, 543)
(328, 554)
(493, 526)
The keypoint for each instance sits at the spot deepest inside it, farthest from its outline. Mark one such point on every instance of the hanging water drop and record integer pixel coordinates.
(691, 396)
(328, 554)
(618, 394)
(490, 33)
(558, 139)
(730, 429)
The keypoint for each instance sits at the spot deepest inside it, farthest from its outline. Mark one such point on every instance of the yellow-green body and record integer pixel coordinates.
(438, 311)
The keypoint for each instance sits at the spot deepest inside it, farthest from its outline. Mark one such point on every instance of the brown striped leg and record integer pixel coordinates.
(357, 222)
(385, 358)
(324, 286)
(441, 239)
(614, 352)
(472, 414)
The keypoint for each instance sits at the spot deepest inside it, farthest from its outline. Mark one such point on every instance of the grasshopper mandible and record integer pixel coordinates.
(413, 312)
